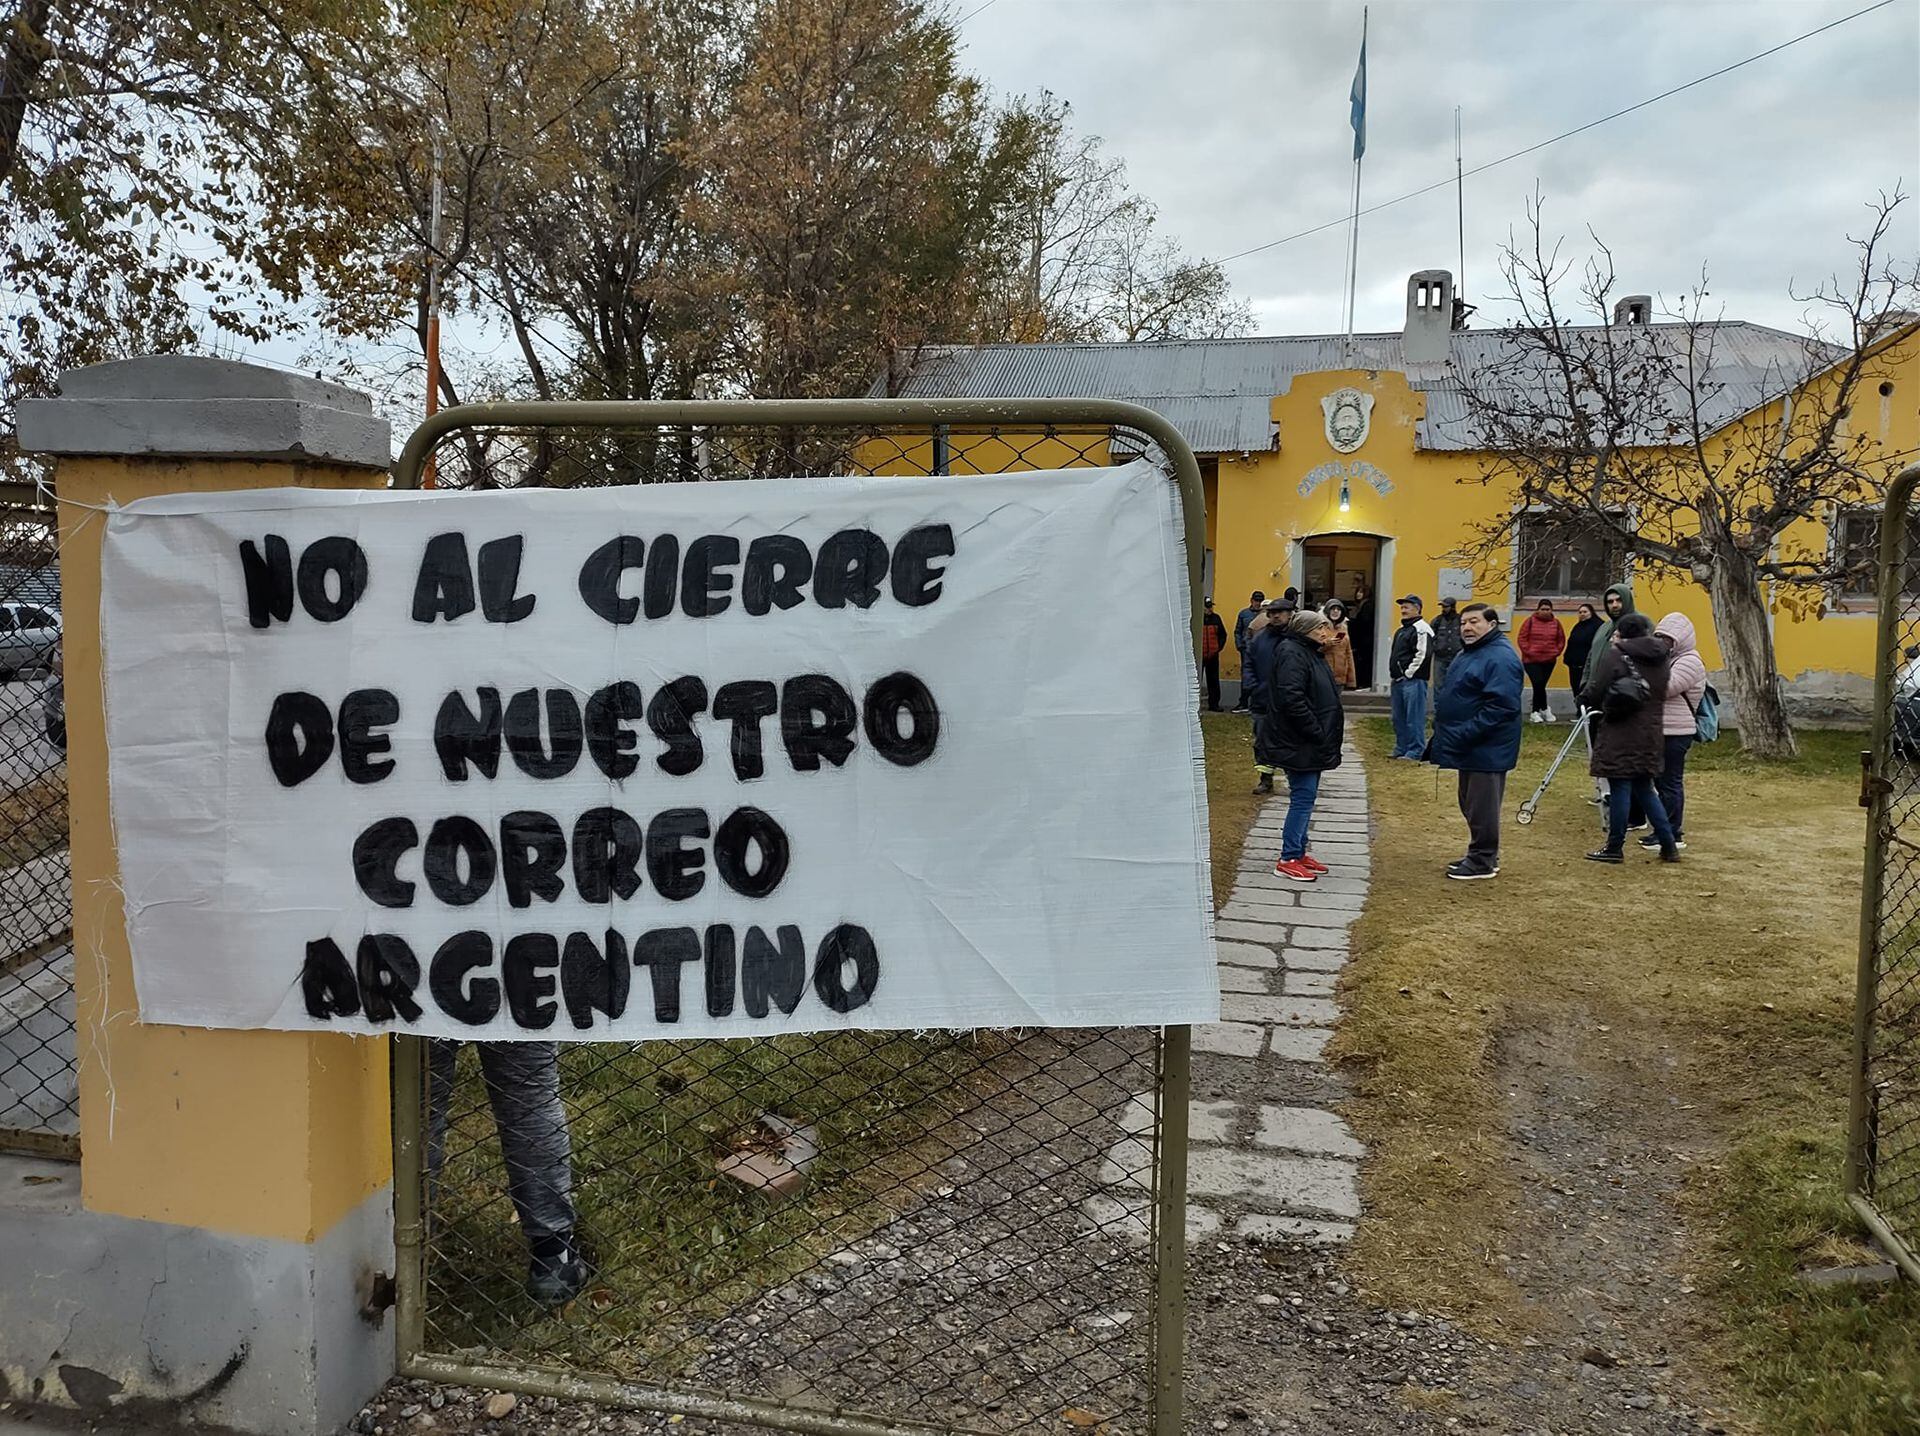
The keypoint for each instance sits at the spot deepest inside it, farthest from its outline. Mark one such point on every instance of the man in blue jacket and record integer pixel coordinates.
(1476, 730)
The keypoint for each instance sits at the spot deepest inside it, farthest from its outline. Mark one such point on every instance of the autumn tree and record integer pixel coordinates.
(134, 140)
(1658, 440)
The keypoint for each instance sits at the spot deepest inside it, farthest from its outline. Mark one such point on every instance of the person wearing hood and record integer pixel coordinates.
(1309, 724)
(1542, 640)
(1679, 720)
(1263, 645)
(1340, 651)
(1579, 648)
(1476, 732)
(1409, 662)
(1618, 602)
(1628, 690)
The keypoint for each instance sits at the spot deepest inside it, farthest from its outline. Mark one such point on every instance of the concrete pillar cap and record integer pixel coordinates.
(186, 406)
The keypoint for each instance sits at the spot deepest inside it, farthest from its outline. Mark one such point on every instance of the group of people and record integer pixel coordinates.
(1639, 689)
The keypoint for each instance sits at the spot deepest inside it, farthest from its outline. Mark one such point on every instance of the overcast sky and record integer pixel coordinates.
(1232, 118)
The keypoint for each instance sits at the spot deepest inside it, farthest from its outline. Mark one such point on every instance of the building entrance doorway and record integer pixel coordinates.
(1357, 569)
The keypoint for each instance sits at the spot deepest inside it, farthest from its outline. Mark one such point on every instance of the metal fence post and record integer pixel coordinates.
(1877, 789)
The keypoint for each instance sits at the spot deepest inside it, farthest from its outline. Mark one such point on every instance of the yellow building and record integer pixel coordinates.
(1338, 467)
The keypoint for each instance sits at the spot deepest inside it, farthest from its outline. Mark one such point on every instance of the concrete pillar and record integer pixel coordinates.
(234, 1198)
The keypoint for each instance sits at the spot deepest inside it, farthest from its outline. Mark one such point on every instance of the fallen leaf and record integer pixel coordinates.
(1085, 1420)
(501, 1403)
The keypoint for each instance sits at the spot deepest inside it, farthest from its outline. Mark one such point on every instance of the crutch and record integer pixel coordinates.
(1574, 734)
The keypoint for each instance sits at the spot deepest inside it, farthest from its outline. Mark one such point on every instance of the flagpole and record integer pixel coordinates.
(1359, 156)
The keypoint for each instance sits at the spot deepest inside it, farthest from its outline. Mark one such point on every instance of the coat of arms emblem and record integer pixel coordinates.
(1349, 414)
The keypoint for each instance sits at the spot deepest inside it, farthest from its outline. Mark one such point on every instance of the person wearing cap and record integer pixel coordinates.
(1307, 726)
(1240, 638)
(1446, 642)
(1213, 638)
(1476, 732)
(1409, 662)
(1263, 646)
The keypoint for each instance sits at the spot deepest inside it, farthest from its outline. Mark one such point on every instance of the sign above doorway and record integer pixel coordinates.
(1351, 470)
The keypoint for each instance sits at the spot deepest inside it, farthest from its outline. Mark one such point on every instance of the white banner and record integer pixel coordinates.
(684, 760)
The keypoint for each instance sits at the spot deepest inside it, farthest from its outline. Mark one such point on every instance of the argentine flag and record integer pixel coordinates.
(1359, 97)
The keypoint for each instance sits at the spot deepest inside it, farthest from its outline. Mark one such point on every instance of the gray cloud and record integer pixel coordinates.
(1232, 117)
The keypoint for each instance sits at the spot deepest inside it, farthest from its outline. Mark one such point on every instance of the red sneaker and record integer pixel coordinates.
(1308, 860)
(1297, 870)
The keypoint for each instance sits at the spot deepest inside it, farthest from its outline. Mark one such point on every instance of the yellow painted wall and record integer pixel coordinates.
(1432, 499)
(267, 1134)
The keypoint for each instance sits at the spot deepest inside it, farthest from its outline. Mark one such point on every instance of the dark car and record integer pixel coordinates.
(28, 635)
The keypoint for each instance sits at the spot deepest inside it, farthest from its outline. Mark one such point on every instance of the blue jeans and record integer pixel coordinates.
(1409, 717)
(1302, 789)
(1621, 795)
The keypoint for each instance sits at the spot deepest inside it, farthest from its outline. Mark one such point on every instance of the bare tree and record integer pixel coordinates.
(1663, 443)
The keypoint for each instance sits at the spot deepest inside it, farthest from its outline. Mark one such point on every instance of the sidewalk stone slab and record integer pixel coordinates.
(1244, 892)
(1301, 1044)
(1234, 980)
(1313, 917)
(1245, 954)
(1229, 1039)
(1281, 1011)
(1265, 913)
(1261, 932)
(1309, 984)
(1300, 1184)
(1306, 1129)
(1320, 937)
(1211, 1121)
(1128, 1164)
(1312, 959)
(1332, 902)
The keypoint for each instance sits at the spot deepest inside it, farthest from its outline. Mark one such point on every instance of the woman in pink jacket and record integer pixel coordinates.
(1679, 719)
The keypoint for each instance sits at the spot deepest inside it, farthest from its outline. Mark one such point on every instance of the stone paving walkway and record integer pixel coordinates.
(1268, 1159)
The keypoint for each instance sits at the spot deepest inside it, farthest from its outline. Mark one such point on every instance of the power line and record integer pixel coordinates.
(1566, 135)
(988, 6)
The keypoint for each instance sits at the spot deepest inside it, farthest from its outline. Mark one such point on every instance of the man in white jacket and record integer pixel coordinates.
(1408, 664)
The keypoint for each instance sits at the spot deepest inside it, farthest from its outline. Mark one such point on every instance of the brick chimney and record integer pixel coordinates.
(1429, 317)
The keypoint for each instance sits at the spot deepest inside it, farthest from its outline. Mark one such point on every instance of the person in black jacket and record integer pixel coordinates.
(1307, 727)
(1579, 648)
(1628, 690)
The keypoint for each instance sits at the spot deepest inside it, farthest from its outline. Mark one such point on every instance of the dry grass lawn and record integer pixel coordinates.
(1739, 961)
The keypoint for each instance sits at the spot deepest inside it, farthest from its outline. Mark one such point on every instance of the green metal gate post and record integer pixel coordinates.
(1875, 789)
(938, 417)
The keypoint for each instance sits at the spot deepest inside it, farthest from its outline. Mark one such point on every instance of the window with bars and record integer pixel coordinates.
(1856, 545)
(1568, 558)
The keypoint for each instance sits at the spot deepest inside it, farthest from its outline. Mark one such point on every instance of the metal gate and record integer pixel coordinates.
(38, 1095)
(1883, 1149)
(977, 1231)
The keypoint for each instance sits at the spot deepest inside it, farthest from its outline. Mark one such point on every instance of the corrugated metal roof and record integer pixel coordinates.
(1217, 391)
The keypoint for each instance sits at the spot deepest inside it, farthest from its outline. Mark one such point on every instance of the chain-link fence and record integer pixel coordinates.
(858, 1231)
(1883, 1159)
(38, 1111)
